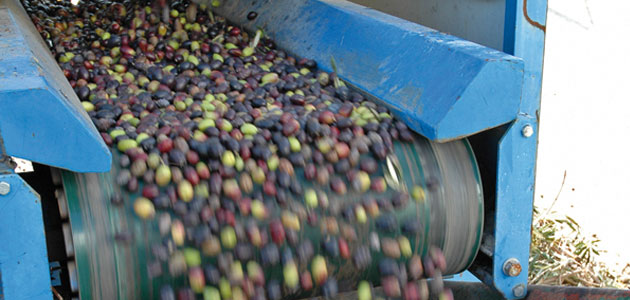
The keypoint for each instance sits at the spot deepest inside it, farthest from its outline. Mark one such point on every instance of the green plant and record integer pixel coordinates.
(562, 254)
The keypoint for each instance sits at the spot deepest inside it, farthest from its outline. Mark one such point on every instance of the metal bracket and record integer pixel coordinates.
(23, 255)
(516, 162)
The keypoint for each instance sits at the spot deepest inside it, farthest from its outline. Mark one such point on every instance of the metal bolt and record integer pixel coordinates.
(519, 290)
(512, 267)
(5, 188)
(527, 131)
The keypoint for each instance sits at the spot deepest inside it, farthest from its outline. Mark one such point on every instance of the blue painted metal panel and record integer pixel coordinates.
(41, 118)
(477, 21)
(23, 257)
(443, 87)
(516, 165)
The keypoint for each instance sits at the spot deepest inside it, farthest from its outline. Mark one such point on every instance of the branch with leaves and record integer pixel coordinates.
(561, 254)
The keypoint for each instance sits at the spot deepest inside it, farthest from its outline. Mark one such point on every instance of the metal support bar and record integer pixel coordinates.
(23, 257)
(516, 164)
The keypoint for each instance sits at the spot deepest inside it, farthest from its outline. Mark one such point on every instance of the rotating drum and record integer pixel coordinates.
(434, 195)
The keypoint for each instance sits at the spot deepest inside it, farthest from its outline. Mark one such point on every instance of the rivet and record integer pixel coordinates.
(527, 131)
(5, 188)
(519, 290)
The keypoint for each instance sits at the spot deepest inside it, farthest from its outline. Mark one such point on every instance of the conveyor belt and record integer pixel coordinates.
(451, 218)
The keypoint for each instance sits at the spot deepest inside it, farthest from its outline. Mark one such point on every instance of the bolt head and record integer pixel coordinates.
(519, 290)
(512, 267)
(527, 131)
(5, 188)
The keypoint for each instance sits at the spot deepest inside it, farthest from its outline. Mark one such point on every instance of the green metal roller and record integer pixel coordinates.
(445, 199)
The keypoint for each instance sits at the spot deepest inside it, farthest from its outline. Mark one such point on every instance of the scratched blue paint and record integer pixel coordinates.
(23, 257)
(516, 153)
(41, 118)
(443, 87)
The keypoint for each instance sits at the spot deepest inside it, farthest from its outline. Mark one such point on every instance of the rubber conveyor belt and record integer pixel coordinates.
(451, 218)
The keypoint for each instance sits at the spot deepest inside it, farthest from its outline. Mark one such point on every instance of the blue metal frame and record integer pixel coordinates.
(23, 255)
(41, 117)
(525, 38)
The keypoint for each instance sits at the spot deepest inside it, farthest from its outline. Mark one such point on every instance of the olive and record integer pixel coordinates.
(276, 229)
(400, 199)
(337, 185)
(415, 267)
(330, 289)
(244, 252)
(185, 294)
(270, 255)
(362, 257)
(428, 266)
(167, 293)
(438, 258)
(305, 251)
(306, 281)
(364, 291)
(411, 226)
(331, 246)
(283, 179)
(388, 267)
(292, 237)
(344, 250)
(369, 165)
(386, 223)
(274, 290)
(391, 286)
(287, 256)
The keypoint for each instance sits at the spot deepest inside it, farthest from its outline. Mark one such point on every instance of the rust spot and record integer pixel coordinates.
(530, 21)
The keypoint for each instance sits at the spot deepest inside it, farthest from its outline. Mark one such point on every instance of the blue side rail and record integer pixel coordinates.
(41, 118)
(444, 87)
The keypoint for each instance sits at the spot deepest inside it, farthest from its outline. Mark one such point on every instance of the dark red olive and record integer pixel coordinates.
(277, 232)
(150, 191)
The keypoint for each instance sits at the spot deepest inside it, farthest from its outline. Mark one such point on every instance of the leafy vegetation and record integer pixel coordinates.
(562, 254)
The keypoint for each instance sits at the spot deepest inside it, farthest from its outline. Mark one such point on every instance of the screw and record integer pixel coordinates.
(527, 131)
(5, 188)
(519, 290)
(512, 267)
